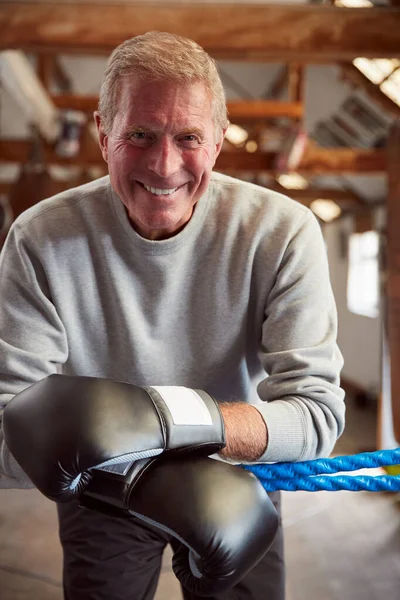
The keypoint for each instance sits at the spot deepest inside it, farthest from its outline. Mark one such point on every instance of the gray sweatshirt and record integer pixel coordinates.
(238, 303)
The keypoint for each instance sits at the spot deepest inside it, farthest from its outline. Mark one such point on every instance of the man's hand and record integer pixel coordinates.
(245, 431)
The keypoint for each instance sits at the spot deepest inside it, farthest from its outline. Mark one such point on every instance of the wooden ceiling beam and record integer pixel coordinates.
(295, 32)
(243, 110)
(17, 151)
(343, 160)
(86, 104)
(314, 161)
(251, 110)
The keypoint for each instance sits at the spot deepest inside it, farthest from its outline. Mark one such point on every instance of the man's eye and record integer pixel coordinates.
(190, 139)
(140, 138)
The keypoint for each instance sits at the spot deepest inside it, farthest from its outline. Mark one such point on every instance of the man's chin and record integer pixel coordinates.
(159, 228)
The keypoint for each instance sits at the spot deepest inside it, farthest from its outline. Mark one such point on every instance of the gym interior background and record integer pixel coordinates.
(314, 100)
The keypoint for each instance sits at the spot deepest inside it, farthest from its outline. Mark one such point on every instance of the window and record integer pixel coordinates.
(383, 72)
(363, 275)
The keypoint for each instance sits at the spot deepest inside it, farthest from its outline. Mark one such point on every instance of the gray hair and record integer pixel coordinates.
(161, 56)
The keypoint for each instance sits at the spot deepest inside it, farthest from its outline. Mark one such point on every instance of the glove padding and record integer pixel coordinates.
(220, 513)
(61, 427)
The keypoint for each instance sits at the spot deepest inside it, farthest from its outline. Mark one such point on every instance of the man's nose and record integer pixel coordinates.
(164, 158)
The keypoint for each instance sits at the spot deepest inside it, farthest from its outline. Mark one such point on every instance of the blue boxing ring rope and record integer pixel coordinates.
(315, 475)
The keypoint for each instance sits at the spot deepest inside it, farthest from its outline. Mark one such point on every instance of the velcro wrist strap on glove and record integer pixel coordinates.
(191, 418)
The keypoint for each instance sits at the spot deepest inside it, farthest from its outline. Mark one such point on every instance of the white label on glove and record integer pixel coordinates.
(185, 405)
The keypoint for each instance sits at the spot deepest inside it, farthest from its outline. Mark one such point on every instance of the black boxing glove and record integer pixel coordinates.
(61, 427)
(220, 513)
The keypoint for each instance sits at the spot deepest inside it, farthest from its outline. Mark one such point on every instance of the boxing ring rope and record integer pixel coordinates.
(315, 475)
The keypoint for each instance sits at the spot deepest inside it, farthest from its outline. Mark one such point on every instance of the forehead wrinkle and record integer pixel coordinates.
(137, 127)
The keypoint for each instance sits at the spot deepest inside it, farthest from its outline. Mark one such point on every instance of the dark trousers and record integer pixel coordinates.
(107, 558)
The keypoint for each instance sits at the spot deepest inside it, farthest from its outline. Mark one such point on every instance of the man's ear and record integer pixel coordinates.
(103, 137)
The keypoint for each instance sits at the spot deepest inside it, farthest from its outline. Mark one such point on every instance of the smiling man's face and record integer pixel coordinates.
(160, 152)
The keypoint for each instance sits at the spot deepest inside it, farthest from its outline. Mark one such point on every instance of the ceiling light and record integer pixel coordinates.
(376, 69)
(327, 210)
(353, 3)
(236, 135)
(64, 173)
(391, 87)
(251, 146)
(292, 181)
(386, 65)
(369, 69)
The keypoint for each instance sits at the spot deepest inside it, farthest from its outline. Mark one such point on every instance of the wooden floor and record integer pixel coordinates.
(339, 545)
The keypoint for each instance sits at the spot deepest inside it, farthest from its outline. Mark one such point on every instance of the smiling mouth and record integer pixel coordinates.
(159, 191)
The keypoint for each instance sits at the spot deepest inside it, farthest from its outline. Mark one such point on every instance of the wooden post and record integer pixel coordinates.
(46, 69)
(363, 222)
(393, 270)
(32, 185)
(34, 181)
(296, 82)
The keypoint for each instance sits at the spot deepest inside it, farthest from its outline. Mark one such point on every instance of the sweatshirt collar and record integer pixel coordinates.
(189, 233)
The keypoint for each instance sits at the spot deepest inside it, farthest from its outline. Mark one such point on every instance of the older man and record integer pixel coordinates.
(166, 273)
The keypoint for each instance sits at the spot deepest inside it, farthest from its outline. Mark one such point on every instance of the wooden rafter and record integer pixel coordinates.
(231, 83)
(297, 32)
(278, 84)
(296, 82)
(239, 111)
(264, 109)
(86, 104)
(45, 69)
(62, 79)
(49, 69)
(315, 161)
(343, 160)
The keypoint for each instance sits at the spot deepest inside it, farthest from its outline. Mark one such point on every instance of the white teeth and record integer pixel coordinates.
(158, 191)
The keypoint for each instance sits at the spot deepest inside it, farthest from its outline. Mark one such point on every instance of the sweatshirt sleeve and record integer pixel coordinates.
(303, 404)
(32, 337)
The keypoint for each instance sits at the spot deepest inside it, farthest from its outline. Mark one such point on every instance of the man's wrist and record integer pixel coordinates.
(246, 432)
